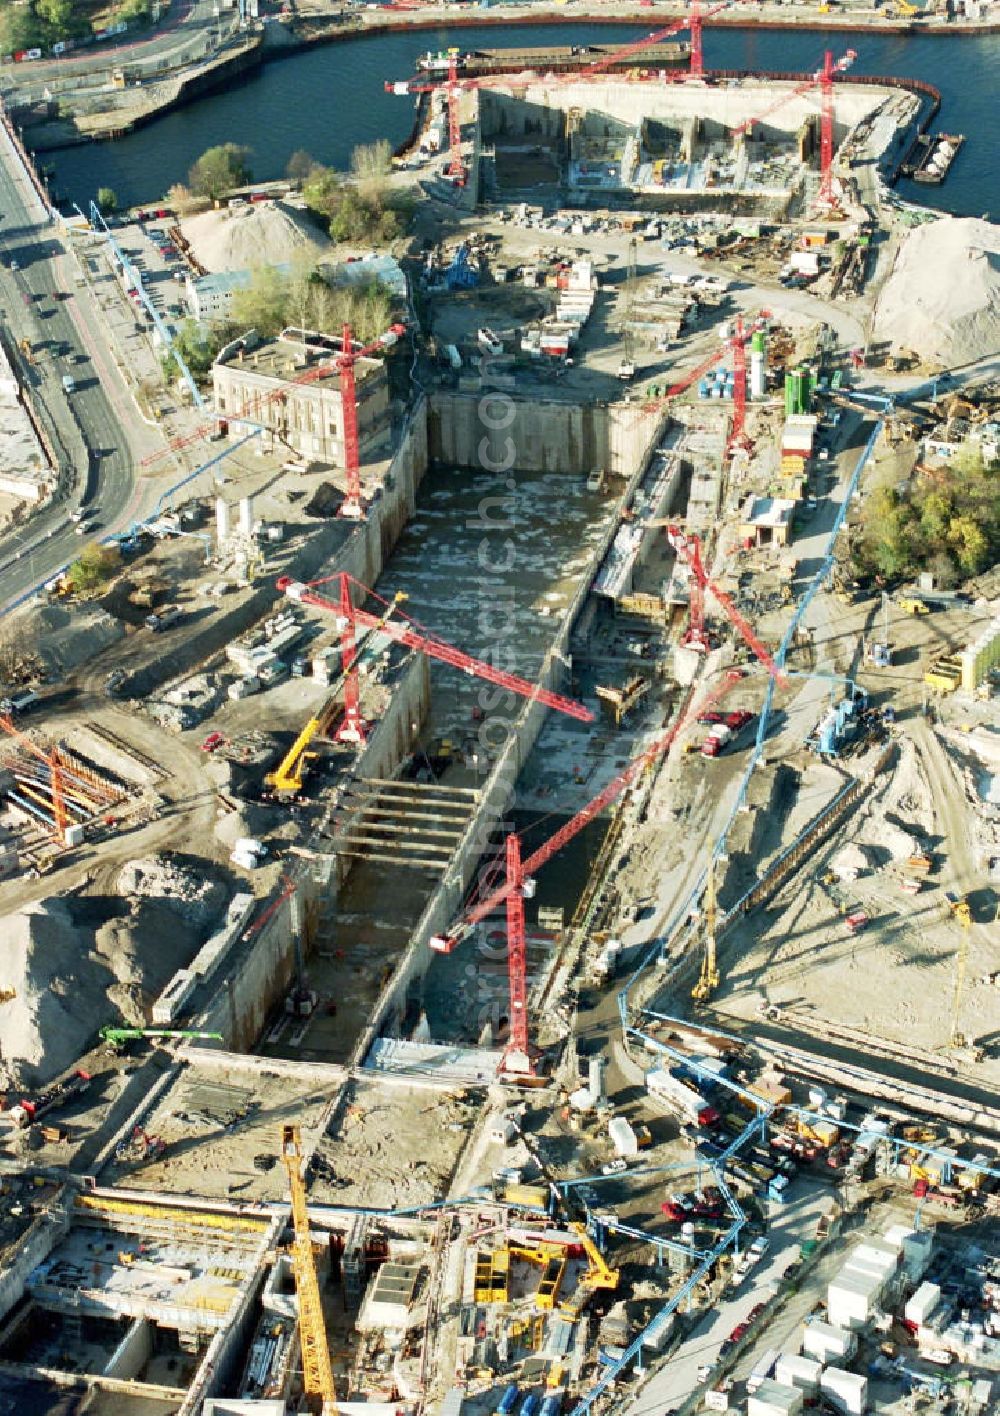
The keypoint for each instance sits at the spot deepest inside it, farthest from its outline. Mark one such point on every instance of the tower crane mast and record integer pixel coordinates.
(341, 363)
(823, 79)
(688, 548)
(317, 1369)
(453, 85)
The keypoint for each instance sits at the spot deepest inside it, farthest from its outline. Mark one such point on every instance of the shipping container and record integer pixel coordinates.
(846, 1391)
(773, 1399)
(824, 1342)
(919, 1308)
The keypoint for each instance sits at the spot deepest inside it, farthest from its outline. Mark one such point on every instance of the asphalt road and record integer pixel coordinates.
(180, 36)
(65, 337)
(789, 1226)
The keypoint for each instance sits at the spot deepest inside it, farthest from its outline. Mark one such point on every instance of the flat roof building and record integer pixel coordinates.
(290, 387)
(766, 521)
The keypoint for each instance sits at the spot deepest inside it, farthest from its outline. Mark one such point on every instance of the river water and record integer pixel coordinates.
(331, 98)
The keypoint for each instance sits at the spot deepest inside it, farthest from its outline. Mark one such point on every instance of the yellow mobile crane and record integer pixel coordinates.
(708, 979)
(963, 914)
(317, 1370)
(288, 777)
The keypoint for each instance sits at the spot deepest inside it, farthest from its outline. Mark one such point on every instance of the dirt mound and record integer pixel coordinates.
(266, 233)
(196, 898)
(60, 993)
(76, 965)
(951, 320)
(67, 635)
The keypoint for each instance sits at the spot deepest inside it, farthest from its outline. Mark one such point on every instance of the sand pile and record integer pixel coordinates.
(942, 299)
(850, 862)
(60, 989)
(67, 635)
(75, 965)
(265, 233)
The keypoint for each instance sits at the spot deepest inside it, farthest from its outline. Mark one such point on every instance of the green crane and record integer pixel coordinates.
(116, 1038)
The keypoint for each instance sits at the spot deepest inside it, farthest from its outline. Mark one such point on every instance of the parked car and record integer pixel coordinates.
(213, 741)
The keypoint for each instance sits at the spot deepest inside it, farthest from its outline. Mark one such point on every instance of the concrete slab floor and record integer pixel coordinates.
(123, 1265)
(214, 1162)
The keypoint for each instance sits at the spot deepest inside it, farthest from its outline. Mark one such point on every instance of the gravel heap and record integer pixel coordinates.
(264, 233)
(942, 299)
(60, 993)
(197, 899)
(74, 965)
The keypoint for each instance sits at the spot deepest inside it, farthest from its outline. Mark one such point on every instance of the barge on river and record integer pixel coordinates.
(930, 158)
(565, 58)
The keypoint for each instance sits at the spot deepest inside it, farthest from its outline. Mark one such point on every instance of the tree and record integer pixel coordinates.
(219, 170)
(128, 10)
(320, 191)
(360, 222)
(887, 533)
(107, 200)
(19, 29)
(56, 16)
(300, 167)
(371, 166)
(197, 348)
(183, 201)
(971, 546)
(935, 516)
(97, 564)
(264, 304)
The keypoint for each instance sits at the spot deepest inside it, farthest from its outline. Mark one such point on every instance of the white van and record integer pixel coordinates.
(68, 383)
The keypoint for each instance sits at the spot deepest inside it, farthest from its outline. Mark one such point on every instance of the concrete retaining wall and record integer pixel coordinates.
(224, 1356)
(538, 111)
(33, 1249)
(240, 1007)
(542, 436)
(132, 1353)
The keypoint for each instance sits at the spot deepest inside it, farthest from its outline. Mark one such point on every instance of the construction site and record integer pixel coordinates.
(500, 909)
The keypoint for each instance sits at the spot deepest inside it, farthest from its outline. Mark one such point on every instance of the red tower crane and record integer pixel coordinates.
(453, 85)
(52, 761)
(737, 343)
(352, 728)
(823, 78)
(688, 547)
(456, 166)
(738, 437)
(692, 21)
(519, 873)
